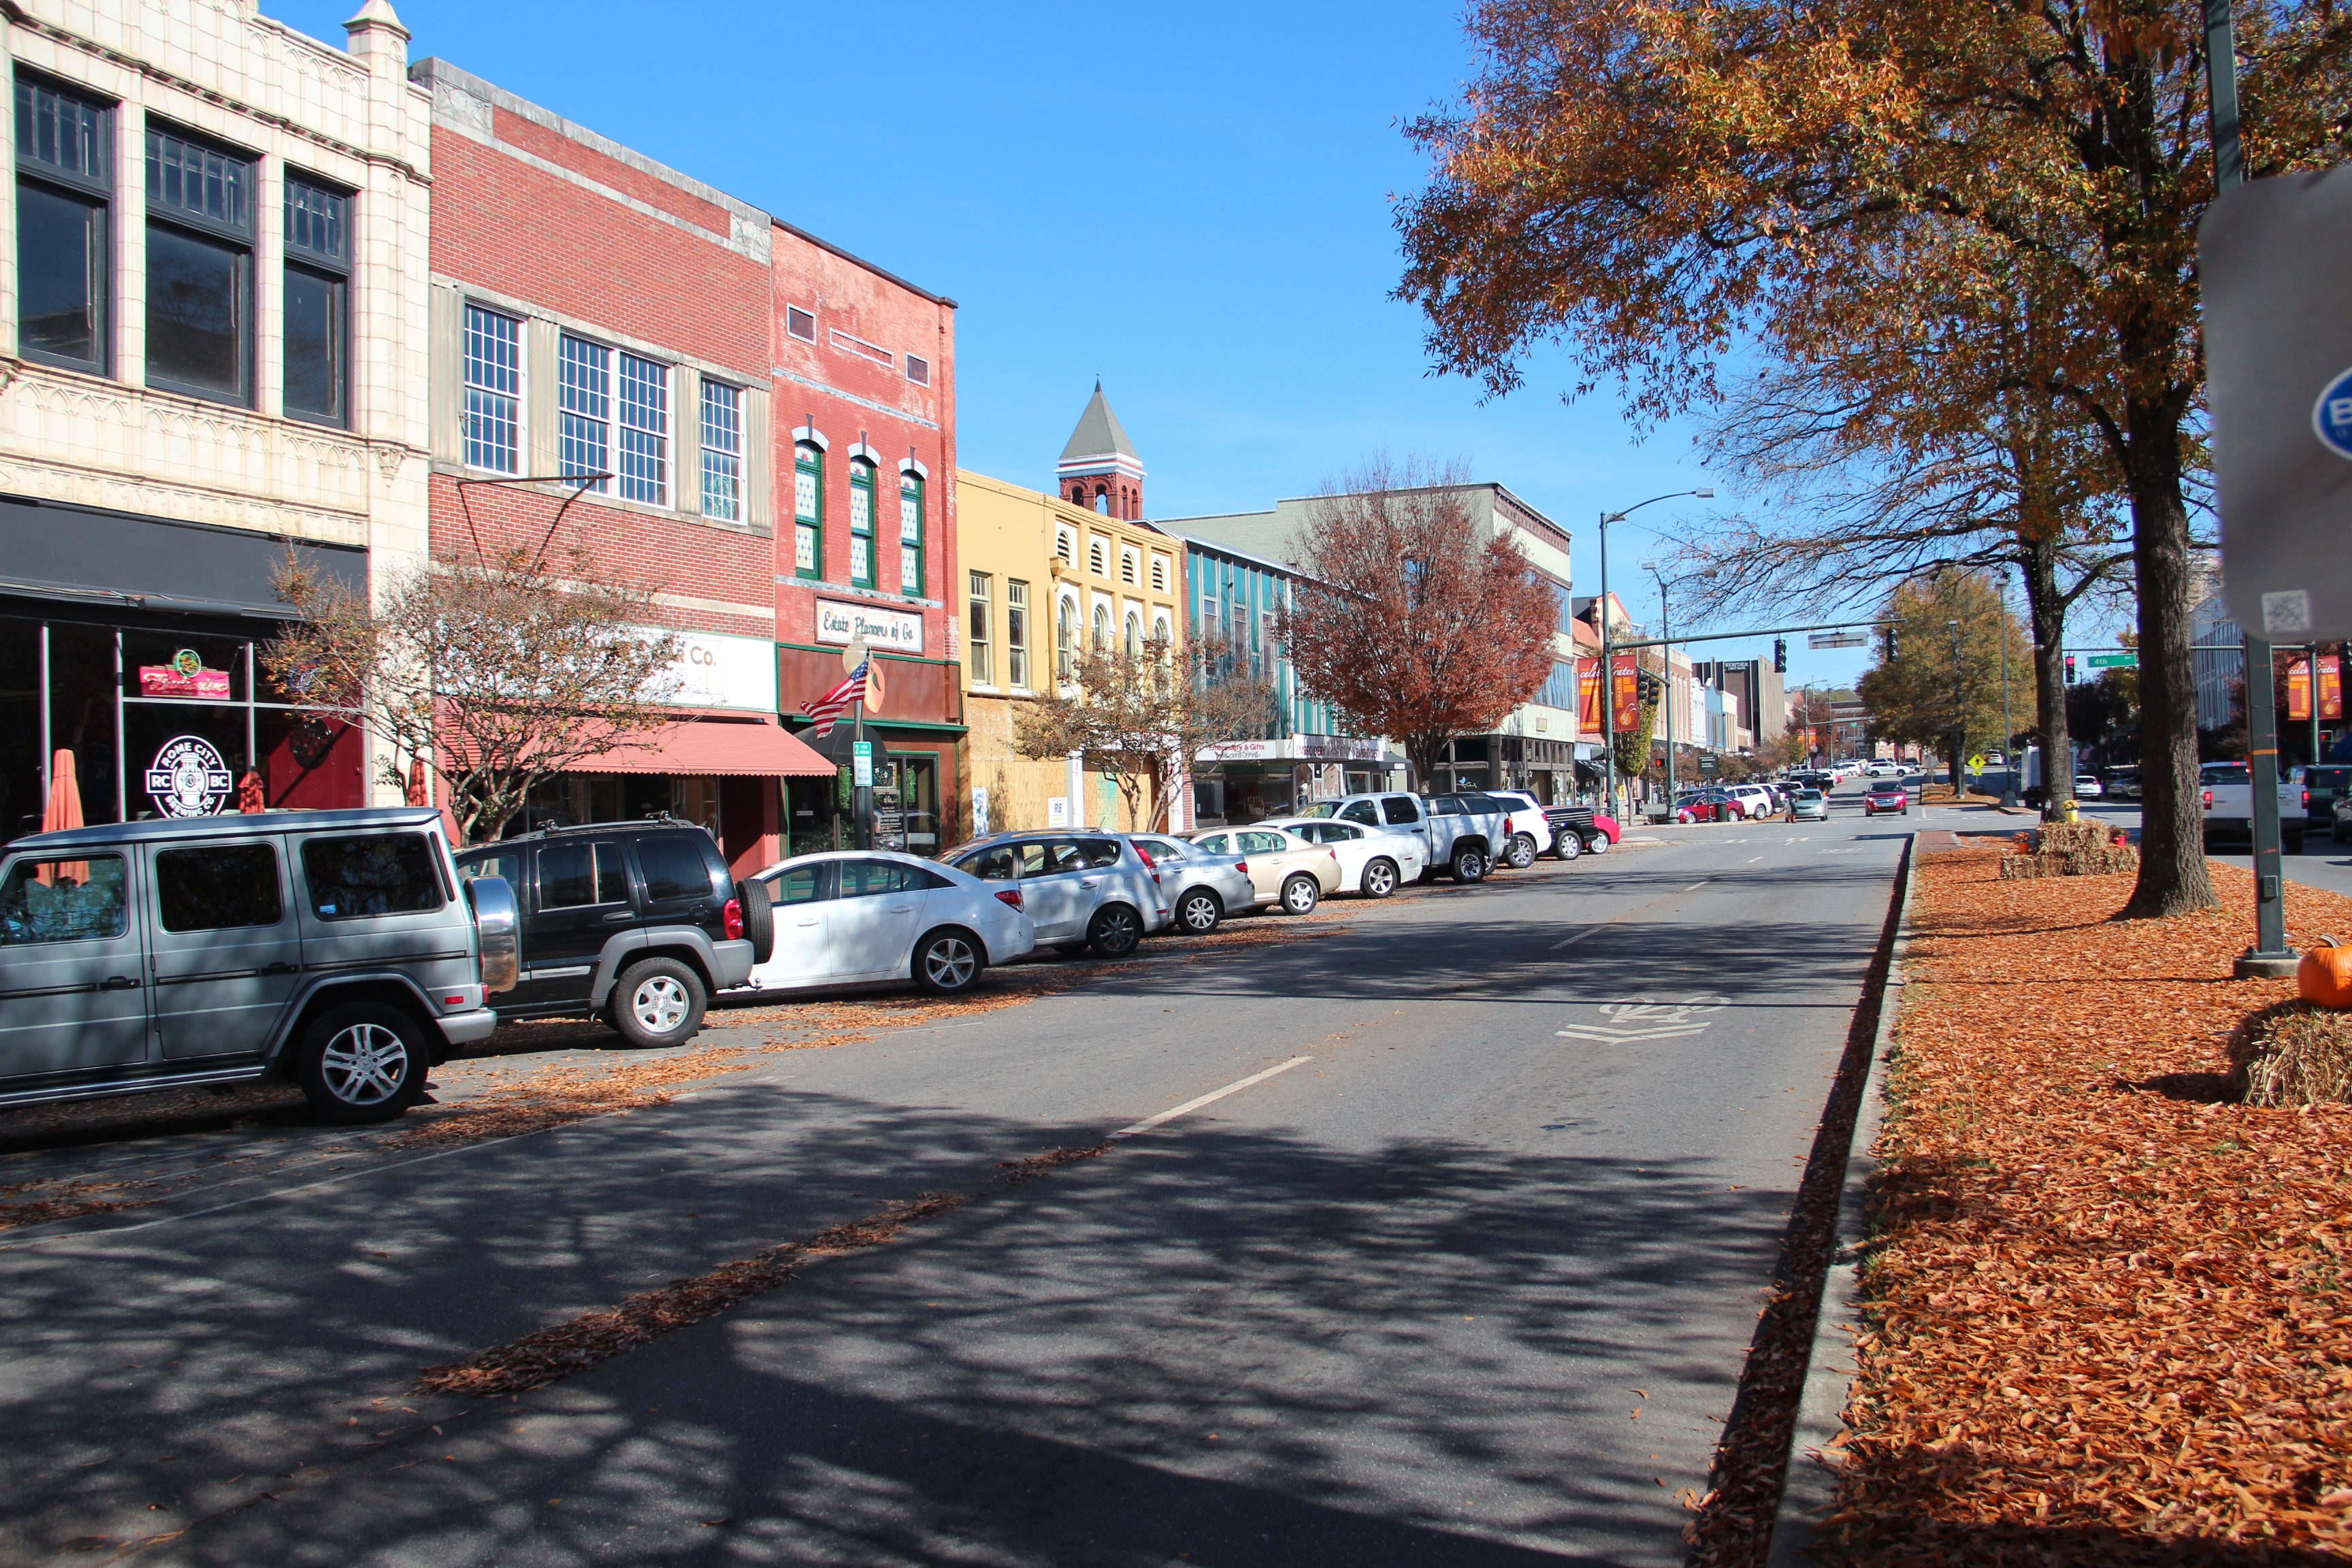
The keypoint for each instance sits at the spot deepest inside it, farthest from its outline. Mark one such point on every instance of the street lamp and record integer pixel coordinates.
(1608, 659)
(1667, 630)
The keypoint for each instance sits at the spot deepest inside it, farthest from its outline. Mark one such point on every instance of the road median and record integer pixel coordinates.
(2107, 1307)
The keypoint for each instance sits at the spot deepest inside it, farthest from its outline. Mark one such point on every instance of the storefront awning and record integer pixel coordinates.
(724, 746)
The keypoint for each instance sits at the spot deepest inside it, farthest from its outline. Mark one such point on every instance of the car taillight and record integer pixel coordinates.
(733, 914)
(2209, 800)
(2307, 800)
(1243, 867)
(1139, 849)
(1333, 853)
(1010, 897)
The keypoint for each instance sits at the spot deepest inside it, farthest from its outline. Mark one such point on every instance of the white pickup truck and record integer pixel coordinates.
(2228, 792)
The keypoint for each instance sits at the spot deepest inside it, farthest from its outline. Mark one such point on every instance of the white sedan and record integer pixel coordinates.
(1371, 862)
(2087, 787)
(849, 917)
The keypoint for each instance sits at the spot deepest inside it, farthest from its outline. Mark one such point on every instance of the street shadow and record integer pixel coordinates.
(1034, 1379)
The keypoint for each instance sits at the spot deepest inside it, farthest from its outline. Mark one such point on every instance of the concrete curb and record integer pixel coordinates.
(1809, 1487)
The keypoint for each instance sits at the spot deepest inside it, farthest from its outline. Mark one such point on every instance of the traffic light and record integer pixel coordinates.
(1890, 645)
(1780, 655)
(2070, 670)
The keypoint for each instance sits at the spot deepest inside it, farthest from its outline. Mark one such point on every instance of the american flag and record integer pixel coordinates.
(826, 710)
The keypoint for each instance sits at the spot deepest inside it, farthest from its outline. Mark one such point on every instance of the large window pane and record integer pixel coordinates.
(82, 712)
(59, 248)
(315, 376)
(722, 452)
(585, 370)
(22, 801)
(645, 431)
(371, 874)
(195, 313)
(493, 389)
(219, 887)
(64, 900)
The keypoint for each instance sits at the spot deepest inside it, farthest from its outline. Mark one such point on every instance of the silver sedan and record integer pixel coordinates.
(1201, 886)
(1808, 806)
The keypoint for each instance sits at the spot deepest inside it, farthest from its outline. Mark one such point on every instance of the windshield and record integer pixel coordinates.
(1809, 795)
(1320, 808)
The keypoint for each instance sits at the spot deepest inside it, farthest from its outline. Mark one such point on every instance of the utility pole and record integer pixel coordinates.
(1667, 630)
(2270, 956)
(1608, 640)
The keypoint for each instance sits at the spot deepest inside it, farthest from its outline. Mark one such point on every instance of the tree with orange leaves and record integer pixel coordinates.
(1408, 621)
(1654, 181)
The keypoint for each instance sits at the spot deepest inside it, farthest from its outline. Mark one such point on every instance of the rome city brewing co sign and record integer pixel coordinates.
(189, 777)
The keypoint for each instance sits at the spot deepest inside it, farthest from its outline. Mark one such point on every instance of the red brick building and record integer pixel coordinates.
(775, 421)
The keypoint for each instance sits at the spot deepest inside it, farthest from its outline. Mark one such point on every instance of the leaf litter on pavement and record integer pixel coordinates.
(2109, 1313)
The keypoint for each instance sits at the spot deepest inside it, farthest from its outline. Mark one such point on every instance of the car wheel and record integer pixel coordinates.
(1199, 911)
(363, 1061)
(948, 962)
(1566, 846)
(657, 1003)
(1521, 853)
(1115, 932)
(1379, 879)
(2294, 844)
(1469, 865)
(1301, 894)
(1597, 845)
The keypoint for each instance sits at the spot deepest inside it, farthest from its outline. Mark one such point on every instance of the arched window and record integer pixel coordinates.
(1098, 560)
(1065, 545)
(1102, 501)
(861, 522)
(808, 511)
(1065, 638)
(1102, 628)
(910, 533)
(1134, 634)
(1160, 635)
(1130, 563)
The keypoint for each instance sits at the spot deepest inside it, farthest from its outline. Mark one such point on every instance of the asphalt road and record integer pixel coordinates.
(2323, 864)
(1470, 1284)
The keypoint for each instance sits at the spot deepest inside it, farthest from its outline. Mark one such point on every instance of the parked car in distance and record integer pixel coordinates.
(1808, 806)
(1082, 892)
(1705, 805)
(2327, 782)
(1372, 860)
(1891, 797)
(636, 923)
(853, 917)
(335, 948)
(2087, 787)
(2340, 824)
(1528, 829)
(1201, 886)
(1458, 833)
(1754, 800)
(2226, 794)
(1580, 830)
(2122, 780)
(1283, 866)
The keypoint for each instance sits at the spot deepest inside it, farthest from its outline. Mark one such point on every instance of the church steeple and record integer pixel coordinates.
(1100, 470)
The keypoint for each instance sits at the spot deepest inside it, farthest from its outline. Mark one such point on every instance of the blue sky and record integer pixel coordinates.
(1191, 201)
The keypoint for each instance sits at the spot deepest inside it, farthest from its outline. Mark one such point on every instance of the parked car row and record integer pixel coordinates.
(351, 950)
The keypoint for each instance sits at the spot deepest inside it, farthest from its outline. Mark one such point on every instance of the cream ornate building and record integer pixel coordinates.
(213, 331)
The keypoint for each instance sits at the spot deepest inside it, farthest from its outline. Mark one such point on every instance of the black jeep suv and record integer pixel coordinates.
(634, 922)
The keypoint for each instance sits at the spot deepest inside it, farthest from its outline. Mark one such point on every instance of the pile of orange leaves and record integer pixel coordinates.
(2110, 1313)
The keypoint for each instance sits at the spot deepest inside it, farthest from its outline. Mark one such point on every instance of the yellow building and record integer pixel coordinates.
(1043, 577)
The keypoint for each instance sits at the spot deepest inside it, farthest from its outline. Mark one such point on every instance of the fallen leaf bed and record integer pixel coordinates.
(2110, 1315)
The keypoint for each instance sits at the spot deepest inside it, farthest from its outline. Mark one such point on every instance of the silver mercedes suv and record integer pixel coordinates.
(336, 948)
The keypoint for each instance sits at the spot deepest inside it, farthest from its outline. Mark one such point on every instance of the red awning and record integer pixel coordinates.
(714, 746)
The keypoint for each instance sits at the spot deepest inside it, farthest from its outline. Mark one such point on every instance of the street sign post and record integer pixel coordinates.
(1836, 639)
(2114, 661)
(2278, 344)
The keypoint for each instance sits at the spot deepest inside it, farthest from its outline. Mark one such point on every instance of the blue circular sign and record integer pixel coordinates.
(2331, 416)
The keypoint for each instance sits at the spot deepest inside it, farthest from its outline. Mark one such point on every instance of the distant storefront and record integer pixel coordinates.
(129, 651)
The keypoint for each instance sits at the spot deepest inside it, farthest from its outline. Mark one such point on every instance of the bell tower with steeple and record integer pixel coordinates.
(1100, 470)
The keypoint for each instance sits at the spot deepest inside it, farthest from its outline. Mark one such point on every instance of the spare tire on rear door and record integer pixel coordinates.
(758, 918)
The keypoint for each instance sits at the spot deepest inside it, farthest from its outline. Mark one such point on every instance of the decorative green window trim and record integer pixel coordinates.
(861, 523)
(808, 511)
(911, 534)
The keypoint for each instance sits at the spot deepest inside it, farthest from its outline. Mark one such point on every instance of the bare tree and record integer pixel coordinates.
(1139, 717)
(1407, 621)
(502, 671)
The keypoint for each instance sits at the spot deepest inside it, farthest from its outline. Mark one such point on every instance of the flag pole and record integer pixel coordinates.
(862, 794)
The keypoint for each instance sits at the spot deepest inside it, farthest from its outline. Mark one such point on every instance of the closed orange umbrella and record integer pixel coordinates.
(420, 789)
(252, 794)
(63, 811)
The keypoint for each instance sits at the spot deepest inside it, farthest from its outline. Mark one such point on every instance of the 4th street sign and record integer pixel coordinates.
(2114, 661)
(2278, 346)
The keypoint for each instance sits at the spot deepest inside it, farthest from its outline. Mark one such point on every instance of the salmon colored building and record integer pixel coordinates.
(748, 420)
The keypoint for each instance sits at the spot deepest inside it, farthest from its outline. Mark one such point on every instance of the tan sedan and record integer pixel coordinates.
(1283, 866)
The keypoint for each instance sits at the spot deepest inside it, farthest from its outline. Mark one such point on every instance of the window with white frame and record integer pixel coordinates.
(861, 522)
(1016, 632)
(978, 643)
(1130, 563)
(1102, 627)
(808, 509)
(800, 323)
(493, 391)
(625, 435)
(918, 370)
(1159, 630)
(722, 451)
(1098, 558)
(910, 533)
(1065, 638)
(1064, 544)
(1134, 633)
(1159, 573)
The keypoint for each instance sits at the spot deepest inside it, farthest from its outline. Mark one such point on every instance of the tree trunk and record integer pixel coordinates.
(2173, 876)
(1426, 751)
(2047, 612)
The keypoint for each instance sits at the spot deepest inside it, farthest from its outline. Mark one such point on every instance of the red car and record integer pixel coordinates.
(1891, 797)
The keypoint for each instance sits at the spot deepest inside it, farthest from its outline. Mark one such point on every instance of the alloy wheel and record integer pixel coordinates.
(1379, 879)
(1198, 912)
(659, 1004)
(949, 962)
(363, 1065)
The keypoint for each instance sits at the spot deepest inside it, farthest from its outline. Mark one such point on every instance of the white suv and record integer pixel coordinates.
(1754, 800)
(1529, 830)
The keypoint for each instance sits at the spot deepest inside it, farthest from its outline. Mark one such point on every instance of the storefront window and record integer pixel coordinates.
(82, 712)
(21, 799)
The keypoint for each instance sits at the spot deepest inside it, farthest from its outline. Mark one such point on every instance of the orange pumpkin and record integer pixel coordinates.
(2325, 975)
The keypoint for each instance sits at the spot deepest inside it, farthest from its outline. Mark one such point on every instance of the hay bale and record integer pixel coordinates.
(2102, 862)
(2292, 1053)
(2070, 837)
(2028, 868)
